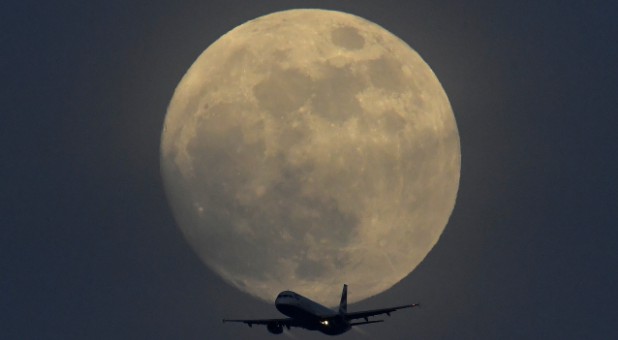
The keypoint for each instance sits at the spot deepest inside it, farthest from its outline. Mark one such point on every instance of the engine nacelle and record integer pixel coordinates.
(275, 328)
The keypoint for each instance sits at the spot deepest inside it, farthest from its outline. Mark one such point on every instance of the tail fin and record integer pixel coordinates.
(343, 304)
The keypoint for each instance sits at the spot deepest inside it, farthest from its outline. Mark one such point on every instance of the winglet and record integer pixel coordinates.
(343, 304)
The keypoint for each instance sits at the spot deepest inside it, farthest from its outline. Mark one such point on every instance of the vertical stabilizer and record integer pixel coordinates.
(343, 304)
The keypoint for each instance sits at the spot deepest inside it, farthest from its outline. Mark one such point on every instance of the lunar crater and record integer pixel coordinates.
(348, 38)
(283, 91)
(386, 73)
(335, 94)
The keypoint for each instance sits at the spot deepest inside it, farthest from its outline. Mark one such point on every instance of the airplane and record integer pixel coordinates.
(308, 314)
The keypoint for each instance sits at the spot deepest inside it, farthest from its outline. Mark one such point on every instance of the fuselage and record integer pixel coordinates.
(310, 314)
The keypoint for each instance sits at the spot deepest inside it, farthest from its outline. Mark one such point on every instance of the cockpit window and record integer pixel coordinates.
(288, 295)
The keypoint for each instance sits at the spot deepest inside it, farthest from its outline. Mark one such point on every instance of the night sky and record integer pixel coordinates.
(89, 248)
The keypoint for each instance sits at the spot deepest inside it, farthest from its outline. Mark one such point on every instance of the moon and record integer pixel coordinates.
(310, 148)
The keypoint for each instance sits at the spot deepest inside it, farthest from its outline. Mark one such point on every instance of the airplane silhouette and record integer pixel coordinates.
(308, 314)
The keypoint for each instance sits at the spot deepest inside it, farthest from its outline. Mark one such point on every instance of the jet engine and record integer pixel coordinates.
(275, 328)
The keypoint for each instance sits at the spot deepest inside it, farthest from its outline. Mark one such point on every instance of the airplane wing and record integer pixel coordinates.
(367, 313)
(287, 322)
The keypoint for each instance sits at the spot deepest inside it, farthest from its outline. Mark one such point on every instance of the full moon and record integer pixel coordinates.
(306, 149)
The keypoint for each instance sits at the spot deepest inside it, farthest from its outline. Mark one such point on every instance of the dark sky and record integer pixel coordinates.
(89, 248)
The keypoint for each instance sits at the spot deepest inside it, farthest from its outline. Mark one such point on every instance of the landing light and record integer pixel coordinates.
(324, 322)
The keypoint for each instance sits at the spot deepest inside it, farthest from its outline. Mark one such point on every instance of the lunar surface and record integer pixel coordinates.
(306, 149)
